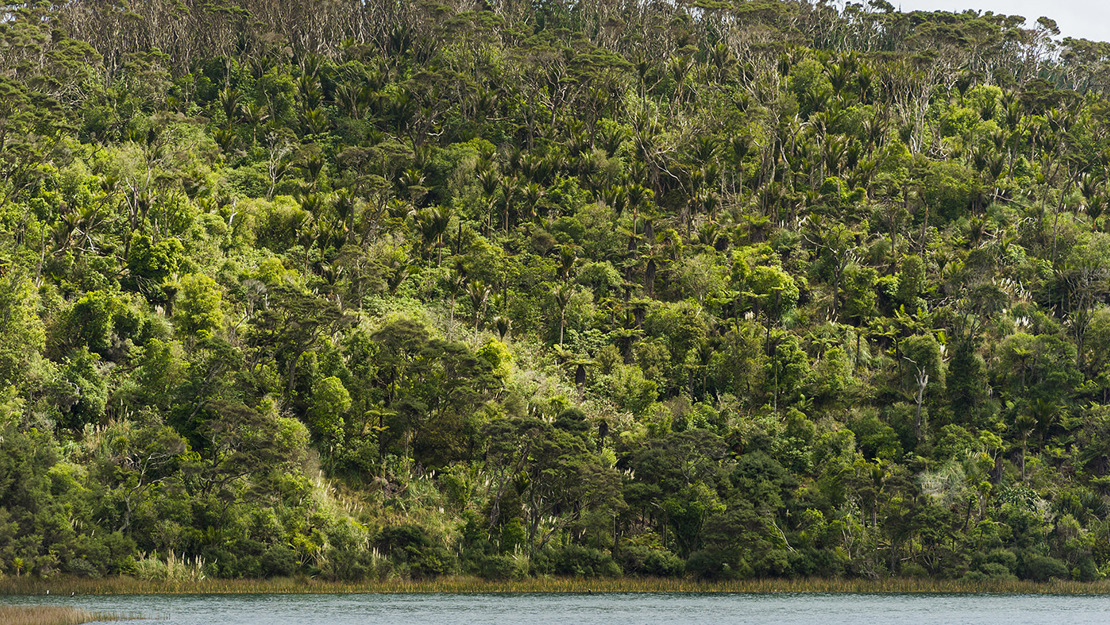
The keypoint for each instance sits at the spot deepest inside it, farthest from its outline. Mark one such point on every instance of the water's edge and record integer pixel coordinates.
(606, 609)
(65, 586)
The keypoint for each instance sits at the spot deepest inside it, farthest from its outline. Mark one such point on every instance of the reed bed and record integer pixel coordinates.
(50, 615)
(464, 585)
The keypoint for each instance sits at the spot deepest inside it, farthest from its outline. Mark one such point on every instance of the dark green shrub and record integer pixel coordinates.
(496, 566)
(279, 561)
(575, 560)
(410, 546)
(642, 560)
(1044, 568)
(715, 564)
(989, 571)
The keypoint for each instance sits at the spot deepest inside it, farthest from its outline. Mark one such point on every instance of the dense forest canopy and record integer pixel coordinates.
(720, 289)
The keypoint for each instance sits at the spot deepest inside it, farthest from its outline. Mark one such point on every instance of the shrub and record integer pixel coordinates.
(410, 546)
(279, 561)
(643, 560)
(501, 566)
(1044, 568)
(580, 561)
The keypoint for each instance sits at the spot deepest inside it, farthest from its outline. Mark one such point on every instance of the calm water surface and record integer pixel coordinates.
(614, 609)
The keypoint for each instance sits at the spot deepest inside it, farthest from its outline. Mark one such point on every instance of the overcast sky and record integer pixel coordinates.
(1089, 19)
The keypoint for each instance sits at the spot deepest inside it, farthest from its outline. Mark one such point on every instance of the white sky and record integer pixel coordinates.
(1087, 19)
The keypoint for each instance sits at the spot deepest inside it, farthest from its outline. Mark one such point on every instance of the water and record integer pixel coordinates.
(602, 609)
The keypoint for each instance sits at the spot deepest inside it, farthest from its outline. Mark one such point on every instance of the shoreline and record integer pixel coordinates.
(64, 586)
(52, 615)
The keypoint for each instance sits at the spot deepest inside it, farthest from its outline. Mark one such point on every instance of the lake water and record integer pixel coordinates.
(602, 609)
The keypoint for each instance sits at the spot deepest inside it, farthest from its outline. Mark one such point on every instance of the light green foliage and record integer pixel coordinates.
(150, 264)
(949, 189)
(810, 85)
(774, 291)
(911, 280)
(681, 325)
(602, 278)
(702, 276)
(330, 401)
(198, 309)
(499, 357)
(277, 222)
(21, 332)
(630, 390)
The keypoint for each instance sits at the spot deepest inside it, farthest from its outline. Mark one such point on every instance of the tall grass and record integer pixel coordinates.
(130, 585)
(49, 615)
(172, 569)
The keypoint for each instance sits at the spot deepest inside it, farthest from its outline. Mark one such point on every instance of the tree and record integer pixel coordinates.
(785, 367)
(837, 245)
(561, 296)
(149, 264)
(967, 385)
(911, 281)
(292, 324)
(676, 486)
(241, 444)
(22, 335)
(434, 389)
(923, 355)
(32, 520)
(860, 297)
(198, 307)
(1086, 277)
(478, 293)
(136, 462)
(774, 291)
(90, 322)
(330, 401)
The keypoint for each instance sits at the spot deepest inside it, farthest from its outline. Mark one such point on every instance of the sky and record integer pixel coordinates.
(1087, 19)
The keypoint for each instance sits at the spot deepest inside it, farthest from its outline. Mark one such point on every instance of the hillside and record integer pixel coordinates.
(714, 289)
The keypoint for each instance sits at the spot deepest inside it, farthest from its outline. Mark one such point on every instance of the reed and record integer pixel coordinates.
(472, 585)
(172, 569)
(49, 615)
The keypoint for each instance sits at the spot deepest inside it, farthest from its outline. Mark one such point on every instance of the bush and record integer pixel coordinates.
(989, 571)
(104, 554)
(1086, 571)
(279, 561)
(718, 564)
(575, 560)
(497, 566)
(410, 546)
(1044, 568)
(642, 560)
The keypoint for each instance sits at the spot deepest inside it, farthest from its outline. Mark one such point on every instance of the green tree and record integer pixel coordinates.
(22, 335)
(150, 264)
(198, 307)
(292, 324)
(923, 371)
(330, 401)
(676, 485)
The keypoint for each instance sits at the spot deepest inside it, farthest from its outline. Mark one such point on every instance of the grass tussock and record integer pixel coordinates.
(131, 585)
(49, 615)
(172, 569)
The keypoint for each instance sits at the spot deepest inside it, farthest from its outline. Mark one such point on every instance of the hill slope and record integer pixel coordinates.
(718, 289)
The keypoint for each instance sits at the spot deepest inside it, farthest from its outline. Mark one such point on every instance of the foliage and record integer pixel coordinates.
(722, 291)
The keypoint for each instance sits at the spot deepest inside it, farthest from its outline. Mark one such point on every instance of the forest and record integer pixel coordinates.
(711, 289)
